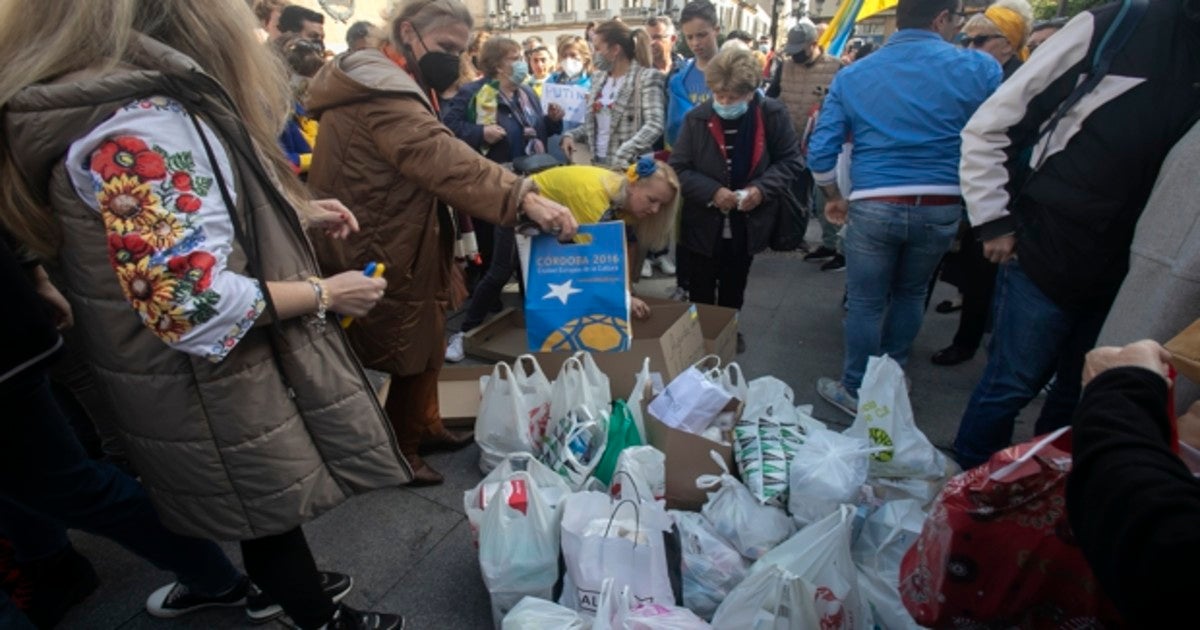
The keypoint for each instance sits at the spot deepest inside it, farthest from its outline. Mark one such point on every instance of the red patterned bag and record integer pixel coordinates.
(997, 550)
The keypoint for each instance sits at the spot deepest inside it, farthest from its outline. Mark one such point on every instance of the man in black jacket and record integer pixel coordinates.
(1058, 209)
(1133, 506)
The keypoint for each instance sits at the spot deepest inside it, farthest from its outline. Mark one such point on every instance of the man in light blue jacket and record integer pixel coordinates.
(903, 109)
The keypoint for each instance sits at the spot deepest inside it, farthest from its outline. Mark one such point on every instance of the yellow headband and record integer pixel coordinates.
(1011, 25)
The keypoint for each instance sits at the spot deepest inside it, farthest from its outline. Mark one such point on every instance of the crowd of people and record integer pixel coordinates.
(190, 192)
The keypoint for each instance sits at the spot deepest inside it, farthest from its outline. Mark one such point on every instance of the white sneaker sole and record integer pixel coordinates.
(276, 611)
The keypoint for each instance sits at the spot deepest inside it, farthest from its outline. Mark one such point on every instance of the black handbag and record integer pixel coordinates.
(790, 224)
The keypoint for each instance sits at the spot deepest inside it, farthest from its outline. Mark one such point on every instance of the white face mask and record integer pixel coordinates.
(572, 67)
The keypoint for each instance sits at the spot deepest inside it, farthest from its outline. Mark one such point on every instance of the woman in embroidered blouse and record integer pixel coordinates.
(625, 106)
(140, 152)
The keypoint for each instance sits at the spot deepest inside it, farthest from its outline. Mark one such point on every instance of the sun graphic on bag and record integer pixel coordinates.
(879, 437)
(595, 333)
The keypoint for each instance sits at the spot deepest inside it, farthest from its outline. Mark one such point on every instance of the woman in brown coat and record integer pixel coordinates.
(384, 153)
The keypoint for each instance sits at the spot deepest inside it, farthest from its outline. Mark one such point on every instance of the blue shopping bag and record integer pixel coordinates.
(577, 294)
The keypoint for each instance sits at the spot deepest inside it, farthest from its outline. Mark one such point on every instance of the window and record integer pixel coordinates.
(596, 5)
(533, 7)
(564, 6)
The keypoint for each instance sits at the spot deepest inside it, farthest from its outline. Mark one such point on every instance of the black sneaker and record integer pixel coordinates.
(821, 253)
(837, 263)
(260, 608)
(175, 599)
(346, 618)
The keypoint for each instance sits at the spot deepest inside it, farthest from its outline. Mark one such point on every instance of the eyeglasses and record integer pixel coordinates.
(977, 41)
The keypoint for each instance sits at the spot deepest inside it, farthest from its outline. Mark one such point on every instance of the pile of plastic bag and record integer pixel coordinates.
(808, 532)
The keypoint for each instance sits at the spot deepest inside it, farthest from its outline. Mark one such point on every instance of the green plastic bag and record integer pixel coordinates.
(622, 433)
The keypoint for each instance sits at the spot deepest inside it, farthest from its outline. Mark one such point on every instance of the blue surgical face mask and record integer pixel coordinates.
(731, 112)
(520, 72)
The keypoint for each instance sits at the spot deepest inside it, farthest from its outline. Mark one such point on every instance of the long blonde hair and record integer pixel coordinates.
(654, 231)
(41, 41)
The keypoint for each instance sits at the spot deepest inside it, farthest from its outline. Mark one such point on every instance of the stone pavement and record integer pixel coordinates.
(410, 550)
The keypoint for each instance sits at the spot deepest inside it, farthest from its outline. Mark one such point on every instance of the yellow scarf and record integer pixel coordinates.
(1012, 26)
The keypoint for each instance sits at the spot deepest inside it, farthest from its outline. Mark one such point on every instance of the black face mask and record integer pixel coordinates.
(439, 70)
(801, 57)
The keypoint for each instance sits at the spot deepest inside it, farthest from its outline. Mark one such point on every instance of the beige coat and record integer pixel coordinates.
(383, 152)
(803, 86)
(223, 450)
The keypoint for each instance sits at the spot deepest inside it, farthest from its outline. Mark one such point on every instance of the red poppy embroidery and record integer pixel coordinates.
(187, 203)
(127, 155)
(127, 248)
(181, 181)
(196, 268)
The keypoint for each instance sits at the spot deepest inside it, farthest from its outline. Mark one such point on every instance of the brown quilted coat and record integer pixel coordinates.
(383, 153)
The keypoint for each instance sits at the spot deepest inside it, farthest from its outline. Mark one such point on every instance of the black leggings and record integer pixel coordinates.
(283, 567)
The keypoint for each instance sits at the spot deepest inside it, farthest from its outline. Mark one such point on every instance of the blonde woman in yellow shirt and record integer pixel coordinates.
(645, 197)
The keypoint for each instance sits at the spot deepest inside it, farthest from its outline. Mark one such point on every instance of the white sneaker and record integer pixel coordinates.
(647, 269)
(664, 263)
(454, 349)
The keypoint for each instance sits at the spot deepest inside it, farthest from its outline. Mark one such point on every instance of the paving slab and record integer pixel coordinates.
(410, 550)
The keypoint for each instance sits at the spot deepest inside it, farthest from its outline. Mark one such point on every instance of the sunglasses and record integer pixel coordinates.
(977, 41)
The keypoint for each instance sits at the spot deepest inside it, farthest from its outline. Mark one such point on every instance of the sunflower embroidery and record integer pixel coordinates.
(150, 289)
(129, 204)
(170, 324)
(165, 231)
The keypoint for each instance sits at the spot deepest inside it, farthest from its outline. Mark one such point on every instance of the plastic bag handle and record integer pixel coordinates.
(1017, 463)
(537, 367)
(632, 483)
(637, 515)
(708, 482)
(705, 360)
(497, 369)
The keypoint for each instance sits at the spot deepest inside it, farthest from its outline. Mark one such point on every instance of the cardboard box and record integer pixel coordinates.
(718, 326)
(687, 458)
(671, 337)
(459, 394)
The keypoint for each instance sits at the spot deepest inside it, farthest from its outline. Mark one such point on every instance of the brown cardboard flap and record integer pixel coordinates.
(687, 458)
(459, 394)
(1185, 351)
(718, 326)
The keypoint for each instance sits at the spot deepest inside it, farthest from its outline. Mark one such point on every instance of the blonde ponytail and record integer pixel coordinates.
(641, 48)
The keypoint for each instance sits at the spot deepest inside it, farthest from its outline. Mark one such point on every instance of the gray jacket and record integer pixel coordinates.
(223, 450)
(1161, 294)
(637, 116)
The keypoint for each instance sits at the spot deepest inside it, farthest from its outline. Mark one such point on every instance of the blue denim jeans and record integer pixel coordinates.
(891, 253)
(48, 484)
(1032, 339)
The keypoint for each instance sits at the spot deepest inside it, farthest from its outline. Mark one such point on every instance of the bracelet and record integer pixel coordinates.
(318, 287)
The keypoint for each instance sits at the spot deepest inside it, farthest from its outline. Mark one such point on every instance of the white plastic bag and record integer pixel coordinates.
(623, 541)
(752, 528)
(829, 469)
(694, 399)
(518, 545)
(574, 445)
(619, 611)
(885, 537)
(532, 613)
(641, 474)
(885, 417)
(806, 582)
(641, 391)
(711, 567)
(574, 389)
(765, 438)
(599, 388)
(548, 484)
(513, 411)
